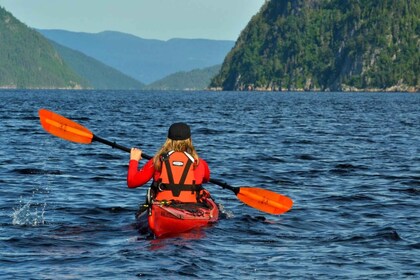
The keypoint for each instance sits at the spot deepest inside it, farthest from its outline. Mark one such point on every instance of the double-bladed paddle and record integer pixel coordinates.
(261, 199)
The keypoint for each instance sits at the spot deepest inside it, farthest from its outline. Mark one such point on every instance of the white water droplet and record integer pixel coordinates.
(28, 214)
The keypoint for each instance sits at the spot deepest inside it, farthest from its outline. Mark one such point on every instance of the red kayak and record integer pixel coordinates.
(165, 218)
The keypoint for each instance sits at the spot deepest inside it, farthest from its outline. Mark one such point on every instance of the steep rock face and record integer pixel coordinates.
(327, 45)
(28, 60)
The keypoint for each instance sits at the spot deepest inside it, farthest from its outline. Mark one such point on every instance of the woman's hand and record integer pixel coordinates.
(135, 154)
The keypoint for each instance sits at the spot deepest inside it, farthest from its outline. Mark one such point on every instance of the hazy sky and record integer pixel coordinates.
(151, 19)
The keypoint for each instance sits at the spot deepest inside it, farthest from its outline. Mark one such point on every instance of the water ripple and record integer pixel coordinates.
(349, 161)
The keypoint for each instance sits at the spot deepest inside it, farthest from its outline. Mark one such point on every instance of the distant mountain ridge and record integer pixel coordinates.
(327, 45)
(146, 60)
(97, 74)
(29, 60)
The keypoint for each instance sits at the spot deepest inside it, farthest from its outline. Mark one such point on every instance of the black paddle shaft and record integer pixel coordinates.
(116, 146)
(225, 185)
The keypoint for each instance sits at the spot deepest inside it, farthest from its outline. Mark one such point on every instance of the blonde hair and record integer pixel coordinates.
(177, 146)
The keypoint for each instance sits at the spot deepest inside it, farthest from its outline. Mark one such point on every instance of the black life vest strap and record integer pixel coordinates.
(177, 189)
(185, 173)
(169, 171)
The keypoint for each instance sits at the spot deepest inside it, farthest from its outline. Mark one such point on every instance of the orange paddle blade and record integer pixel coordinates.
(64, 128)
(264, 200)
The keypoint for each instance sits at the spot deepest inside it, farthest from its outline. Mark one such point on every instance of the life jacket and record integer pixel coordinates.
(177, 180)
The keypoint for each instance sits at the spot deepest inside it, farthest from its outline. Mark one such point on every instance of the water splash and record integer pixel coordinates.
(32, 211)
(224, 213)
(29, 213)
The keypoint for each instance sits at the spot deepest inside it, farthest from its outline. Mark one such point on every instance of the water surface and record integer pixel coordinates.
(349, 161)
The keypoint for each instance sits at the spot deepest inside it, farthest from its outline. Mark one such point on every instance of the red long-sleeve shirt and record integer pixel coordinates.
(137, 178)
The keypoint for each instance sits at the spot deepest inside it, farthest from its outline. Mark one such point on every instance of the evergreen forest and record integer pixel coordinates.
(327, 45)
(28, 60)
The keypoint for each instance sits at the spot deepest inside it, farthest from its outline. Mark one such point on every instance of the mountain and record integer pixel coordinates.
(197, 79)
(145, 60)
(28, 60)
(326, 45)
(97, 74)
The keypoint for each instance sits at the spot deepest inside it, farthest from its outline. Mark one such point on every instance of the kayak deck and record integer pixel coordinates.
(165, 218)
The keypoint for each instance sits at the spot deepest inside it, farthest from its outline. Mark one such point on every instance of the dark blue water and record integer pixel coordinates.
(350, 162)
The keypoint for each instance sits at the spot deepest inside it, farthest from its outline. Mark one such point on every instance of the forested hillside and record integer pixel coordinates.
(197, 79)
(28, 60)
(326, 45)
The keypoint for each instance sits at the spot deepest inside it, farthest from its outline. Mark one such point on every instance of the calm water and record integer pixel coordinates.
(350, 162)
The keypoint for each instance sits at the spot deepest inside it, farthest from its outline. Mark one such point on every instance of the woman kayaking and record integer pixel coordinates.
(176, 201)
(177, 146)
